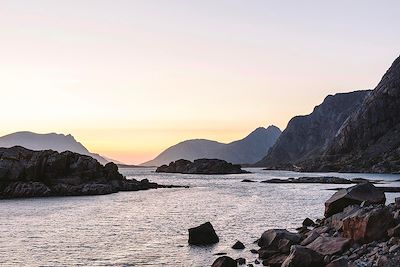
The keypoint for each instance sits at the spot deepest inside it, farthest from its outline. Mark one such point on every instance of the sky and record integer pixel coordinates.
(130, 78)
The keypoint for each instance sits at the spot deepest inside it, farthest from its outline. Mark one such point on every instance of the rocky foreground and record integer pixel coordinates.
(28, 173)
(201, 166)
(358, 230)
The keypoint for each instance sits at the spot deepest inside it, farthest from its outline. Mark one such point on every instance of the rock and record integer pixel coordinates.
(248, 181)
(353, 195)
(241, 261)
(336, 221)
(203, 235)
(201, 166)
(254, 251)
(341, 262)
(310, 238)
(394, 232)
(368, 224)
(279, 239)
(238, 245)
(308, 222)
(329, 245)
(28, 173)
(397, 202)
(224, 261)
(275, 261)
(304, 257)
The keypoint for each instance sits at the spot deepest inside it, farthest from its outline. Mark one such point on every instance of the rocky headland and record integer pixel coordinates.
(28, 173)
(358, 230)
(201, 166)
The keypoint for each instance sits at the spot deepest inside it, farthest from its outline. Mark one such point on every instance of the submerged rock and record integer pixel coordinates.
(203, 235)
(201, 166)
(353, 195)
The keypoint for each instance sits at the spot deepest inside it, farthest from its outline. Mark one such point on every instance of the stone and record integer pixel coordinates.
(353, 195)
(397, 202)
(368, 224)
(329, 245)
(308, 222)
(238, 245)
(394, 232)
(341, 262)
(275, 261)
(241, 261)
(279, 239)
(303, 257)
(310, 238)
(203, 235)
(224, 261)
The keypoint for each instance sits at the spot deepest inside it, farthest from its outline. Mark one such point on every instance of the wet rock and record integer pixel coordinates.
(238, 245)
(241, 261)
(201, 166)
(341, 262)
(248, 181)
(353, 195)
(203, 235)
(310, 238)
(224, 261)
(275, 261)
(368, 224)
(279, 239)
(329, 245)
(308, 222)
(304, 257)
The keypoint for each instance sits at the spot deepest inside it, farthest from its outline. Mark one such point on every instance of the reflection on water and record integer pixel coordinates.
(149, 228)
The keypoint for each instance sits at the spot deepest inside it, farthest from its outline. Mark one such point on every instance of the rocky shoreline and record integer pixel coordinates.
(27, 173)
(358, 230)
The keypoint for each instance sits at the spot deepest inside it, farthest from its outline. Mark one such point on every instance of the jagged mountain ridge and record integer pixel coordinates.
(245, 151)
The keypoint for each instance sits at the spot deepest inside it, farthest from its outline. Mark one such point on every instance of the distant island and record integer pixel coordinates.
(201, 166)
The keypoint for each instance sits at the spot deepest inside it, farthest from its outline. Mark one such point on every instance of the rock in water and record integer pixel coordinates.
(203, 235)
(279, 240)
(304, 257)
(224, 262)
(368, 224)
(201, 166)
(238, 245)
(329, 245)
(353, 195)
(28, 173)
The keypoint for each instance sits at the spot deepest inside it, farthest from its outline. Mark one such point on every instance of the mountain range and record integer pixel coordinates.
(53, 141)
(248, 150)
(353, 132)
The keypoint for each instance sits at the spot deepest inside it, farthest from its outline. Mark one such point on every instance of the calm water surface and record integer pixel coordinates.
(149, 228)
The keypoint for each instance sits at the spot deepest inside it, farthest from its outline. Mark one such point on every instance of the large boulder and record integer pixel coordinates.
(278, 239)
(327, 246)
(224, 261)
(203, 235)
(353, 195)
(368, 224)
(303, 257)
(201, 166)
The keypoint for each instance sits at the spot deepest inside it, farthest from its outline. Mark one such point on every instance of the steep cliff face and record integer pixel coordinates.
(370, 139)
(308, 136)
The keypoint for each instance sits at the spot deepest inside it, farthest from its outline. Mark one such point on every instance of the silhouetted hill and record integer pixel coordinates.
(246, 151)
(53, 141)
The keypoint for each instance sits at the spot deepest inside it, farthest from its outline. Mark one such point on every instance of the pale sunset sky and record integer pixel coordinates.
(131, 78)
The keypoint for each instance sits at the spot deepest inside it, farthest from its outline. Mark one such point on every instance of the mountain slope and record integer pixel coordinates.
(369, 141)
(53, 141)
(248, 150)
(308, 136)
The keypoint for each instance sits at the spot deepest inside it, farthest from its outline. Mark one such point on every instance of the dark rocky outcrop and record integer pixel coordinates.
(201, 166)
(353, 195)
(310, 180)
(308, 136)
(203, 235)
(249, 150)
(224, 262)
(27, 173)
